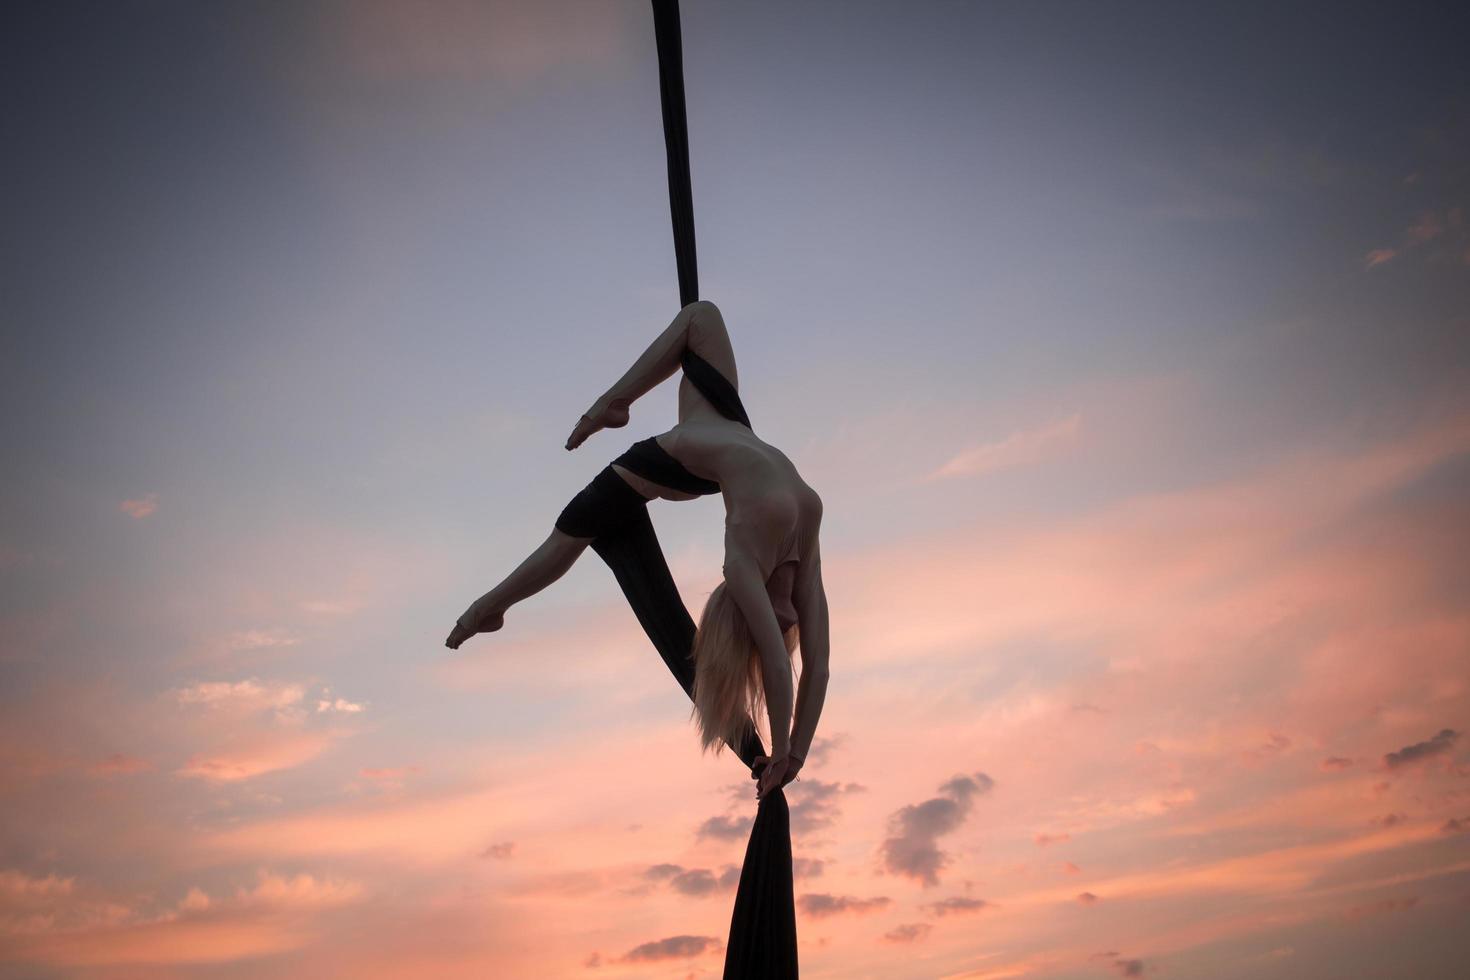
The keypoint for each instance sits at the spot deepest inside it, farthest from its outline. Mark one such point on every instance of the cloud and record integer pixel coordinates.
(1335, 763)
(249, 695)
(1427, 228)
(1410, 754)
(957, 905)
(822, 906)
(1087, 898)
(908, 933)
(911, 847)
(1275, 744)
(815, 804)
(256, 756)
(389, 772)
(1128, 968)
(339, 705)
(260, 639)
(725, 828)
(802, 867)
(1020, 448)
(298, 892)
(16, 885)
(824, 746)
(140, 508)
(695, 882)
(267, 916)
(1042, 840)
(673, 948)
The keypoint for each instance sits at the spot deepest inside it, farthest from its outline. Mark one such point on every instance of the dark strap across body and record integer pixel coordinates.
(652, 462)
(608, 503)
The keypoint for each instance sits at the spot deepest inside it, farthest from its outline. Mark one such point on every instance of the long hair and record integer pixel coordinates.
(728, 690)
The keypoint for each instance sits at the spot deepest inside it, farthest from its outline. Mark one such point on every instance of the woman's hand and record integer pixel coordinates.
(606, 413)
(773, 773)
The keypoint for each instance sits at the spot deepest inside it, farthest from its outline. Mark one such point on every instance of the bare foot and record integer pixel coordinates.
(487, 622)
(603, 415)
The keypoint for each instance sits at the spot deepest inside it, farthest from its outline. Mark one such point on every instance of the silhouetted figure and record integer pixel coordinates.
(739, 657)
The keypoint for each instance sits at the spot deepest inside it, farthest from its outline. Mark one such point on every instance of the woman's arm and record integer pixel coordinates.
(810, 600)
(743, 580)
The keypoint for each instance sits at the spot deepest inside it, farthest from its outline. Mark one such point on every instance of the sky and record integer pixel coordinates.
(1127, 345)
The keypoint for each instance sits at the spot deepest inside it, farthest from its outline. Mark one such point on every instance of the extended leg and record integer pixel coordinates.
(545, 565)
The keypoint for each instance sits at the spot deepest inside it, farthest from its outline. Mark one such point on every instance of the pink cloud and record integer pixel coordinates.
(249, 695)
(138, 509)
(1022, 448)
(257, 755)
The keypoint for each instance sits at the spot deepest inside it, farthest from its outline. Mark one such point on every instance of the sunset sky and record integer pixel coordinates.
(1128, 346)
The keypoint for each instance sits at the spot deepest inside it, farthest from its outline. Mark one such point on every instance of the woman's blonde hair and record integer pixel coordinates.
(728, 690)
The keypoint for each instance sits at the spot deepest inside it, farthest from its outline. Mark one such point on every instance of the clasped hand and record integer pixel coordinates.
(773, 773)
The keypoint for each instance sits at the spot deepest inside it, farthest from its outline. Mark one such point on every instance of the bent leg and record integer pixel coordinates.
(543, 566)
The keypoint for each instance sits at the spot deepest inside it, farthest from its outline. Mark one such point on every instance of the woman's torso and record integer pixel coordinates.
(760, 485)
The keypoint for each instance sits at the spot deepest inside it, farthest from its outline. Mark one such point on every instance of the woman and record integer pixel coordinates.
(772, 591)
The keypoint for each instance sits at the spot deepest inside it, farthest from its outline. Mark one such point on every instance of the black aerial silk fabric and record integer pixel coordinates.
(762, 942)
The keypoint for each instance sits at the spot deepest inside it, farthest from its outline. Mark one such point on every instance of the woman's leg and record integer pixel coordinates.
(545, 565)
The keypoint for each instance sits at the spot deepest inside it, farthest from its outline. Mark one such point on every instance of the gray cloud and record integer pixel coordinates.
(674, 947)
(815, 804)
(1126, 967)
(807, 867)
(724, 828)
(662, 872)
(820, 906)
(911, 847)
(1409, 754)
(823, 747)
(697, 882)
(956, 905)
(908, 933)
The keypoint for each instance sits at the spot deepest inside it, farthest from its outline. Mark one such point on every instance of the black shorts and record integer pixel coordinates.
(605, 504)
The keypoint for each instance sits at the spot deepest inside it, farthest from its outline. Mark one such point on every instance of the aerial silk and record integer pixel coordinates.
(762, 942)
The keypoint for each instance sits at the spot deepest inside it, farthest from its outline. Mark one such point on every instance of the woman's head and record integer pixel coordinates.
(728, 693)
